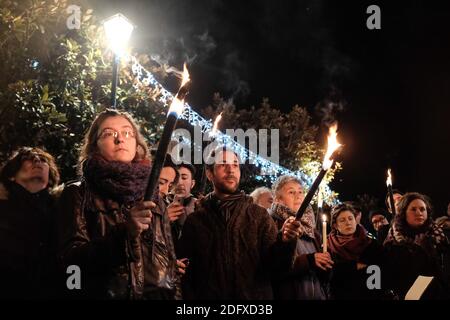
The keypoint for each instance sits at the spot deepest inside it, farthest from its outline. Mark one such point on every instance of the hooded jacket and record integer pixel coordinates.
(27, 242)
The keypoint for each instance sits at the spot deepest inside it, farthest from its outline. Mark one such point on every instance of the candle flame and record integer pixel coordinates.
(186, 77)
(176, 106)
(216, 124)
(324, 218)
(389, 178)
(333, 145)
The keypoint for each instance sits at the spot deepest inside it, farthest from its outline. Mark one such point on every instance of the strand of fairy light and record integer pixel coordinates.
(271, 169)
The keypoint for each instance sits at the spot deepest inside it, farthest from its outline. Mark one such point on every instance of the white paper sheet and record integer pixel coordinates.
(418, 288)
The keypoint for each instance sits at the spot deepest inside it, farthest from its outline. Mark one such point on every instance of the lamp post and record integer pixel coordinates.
(118, 30)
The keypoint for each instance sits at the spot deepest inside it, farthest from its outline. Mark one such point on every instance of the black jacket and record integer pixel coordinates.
(290, 285)
(349, 283)
(92, 235)
(382, 233)
(27, 243)
(233, 247)
(406, 261)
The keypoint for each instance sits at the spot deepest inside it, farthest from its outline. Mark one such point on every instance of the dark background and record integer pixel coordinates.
(389, 89)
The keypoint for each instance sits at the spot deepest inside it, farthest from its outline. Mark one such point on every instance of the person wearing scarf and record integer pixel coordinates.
(352, 251)
(28, 189)
(232, 244)
(415, 246)
(122, 245)
(308, 278)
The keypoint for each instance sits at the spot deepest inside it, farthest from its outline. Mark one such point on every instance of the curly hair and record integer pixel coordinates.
(258, 192)
(14, 163)
(282, 181)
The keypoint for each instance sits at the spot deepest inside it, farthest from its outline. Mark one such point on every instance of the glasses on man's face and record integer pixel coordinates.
(109, 133)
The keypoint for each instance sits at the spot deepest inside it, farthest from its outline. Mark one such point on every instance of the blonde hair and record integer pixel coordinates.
(258, 192)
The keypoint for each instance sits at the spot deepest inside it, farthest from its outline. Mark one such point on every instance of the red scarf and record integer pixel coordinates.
(349, 247)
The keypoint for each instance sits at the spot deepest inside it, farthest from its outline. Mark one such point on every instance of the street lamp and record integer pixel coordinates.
(118, 30)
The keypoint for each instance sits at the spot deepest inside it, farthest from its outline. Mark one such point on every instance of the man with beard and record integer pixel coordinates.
(232, 244)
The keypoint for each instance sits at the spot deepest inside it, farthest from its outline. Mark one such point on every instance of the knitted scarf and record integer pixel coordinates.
(122, 182)
(307, 222)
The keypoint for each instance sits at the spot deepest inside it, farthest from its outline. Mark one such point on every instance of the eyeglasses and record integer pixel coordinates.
(108, 133)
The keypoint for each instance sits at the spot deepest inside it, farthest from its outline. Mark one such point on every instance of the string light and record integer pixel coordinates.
(268, 169)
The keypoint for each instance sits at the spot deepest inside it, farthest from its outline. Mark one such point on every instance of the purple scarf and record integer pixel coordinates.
(122, 182)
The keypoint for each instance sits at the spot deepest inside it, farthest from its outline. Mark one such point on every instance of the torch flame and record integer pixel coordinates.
(333, 145)
(176, 106)
(216, 124)
(186, 78)
(389, 178)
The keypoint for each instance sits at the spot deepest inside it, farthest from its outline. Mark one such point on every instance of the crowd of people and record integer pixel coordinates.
(223, 245)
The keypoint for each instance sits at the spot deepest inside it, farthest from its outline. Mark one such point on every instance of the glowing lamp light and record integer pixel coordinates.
(118, 31)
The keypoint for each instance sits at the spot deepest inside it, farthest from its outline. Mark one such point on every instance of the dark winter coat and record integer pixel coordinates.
(382, 233)
(347, 282)
(427, 255)
(304, 281)
(233, 246)
(27, 243)
(93, 236)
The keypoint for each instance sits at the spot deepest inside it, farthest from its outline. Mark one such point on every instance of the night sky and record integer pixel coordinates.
(389, 88)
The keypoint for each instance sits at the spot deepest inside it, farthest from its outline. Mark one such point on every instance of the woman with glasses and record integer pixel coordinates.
(28, 189)
(106, 228)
